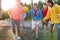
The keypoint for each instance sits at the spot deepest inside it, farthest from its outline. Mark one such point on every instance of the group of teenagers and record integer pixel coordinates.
(49, 12)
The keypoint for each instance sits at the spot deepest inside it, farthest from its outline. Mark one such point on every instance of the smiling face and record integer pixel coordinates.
(45, 6)
(49, 4)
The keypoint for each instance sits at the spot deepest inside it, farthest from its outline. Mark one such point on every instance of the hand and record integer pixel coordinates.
(44, 21)
(21, 19)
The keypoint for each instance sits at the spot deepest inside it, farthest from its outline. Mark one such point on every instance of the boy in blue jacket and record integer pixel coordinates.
(36, 15)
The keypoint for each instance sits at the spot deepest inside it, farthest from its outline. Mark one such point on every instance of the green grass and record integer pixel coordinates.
(42, 36)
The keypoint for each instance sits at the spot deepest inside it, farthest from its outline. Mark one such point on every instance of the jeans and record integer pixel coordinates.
(16, 24)
(57, 32)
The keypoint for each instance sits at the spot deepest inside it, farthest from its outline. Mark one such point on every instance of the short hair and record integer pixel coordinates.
(50, 1)
(35, 4)
(45, 4)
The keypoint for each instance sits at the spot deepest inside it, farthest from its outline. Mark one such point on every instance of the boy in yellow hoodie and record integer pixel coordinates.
(54, 15)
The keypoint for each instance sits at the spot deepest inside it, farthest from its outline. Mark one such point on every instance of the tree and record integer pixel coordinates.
(57, 2)
(0, 11)
(40, 4)
(5, 15)
(29, 16)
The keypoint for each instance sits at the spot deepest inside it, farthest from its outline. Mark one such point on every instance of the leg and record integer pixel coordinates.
(33, 27)
(24, 28)
(18, 28)
(51, 28)
(37, 27)
(52, 32)
(13, 27)
(57, 32)
(44, 26)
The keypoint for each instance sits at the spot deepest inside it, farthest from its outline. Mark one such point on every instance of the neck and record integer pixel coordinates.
(35, 9)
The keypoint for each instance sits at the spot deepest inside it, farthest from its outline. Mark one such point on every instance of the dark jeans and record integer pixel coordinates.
(16, 24)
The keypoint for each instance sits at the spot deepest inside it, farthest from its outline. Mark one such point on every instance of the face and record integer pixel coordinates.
(44, 6)
(35, 6)
(49, 4)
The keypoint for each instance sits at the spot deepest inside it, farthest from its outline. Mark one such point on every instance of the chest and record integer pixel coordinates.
(53, 10)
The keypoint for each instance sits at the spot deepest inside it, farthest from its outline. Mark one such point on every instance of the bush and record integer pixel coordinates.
(5, 15)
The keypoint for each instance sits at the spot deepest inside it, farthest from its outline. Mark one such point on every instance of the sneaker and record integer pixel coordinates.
(14, 37)
(33, 35)
(36, 36)
(19, 37)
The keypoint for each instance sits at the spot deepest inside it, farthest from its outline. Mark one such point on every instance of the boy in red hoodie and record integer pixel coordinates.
(44, 13)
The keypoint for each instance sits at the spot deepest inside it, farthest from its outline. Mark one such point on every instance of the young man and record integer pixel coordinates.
(14, 14)
(54, 15)
(44, 13)
(36, 18)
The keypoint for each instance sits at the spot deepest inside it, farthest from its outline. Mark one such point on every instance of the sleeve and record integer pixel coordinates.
(30, 11)
(58, 9)
(40, 15)
(47, 16)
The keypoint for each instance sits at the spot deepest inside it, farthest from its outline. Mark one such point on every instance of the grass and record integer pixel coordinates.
(42, 35)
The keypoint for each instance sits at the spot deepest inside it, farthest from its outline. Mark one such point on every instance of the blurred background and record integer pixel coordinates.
(6, 4)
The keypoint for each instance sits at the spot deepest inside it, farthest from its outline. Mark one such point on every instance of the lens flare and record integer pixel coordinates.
(6, 4)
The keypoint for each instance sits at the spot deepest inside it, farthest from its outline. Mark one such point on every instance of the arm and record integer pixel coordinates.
(40, 15)
(30, 11)
(47, 16)
(58, 10)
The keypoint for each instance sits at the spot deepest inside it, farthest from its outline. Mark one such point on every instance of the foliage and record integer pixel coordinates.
(58, 2)
(40, 4)
(5, 15)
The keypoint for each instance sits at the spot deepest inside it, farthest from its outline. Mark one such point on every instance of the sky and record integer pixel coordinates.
(29, 1)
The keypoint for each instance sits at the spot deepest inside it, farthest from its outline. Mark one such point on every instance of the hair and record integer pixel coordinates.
(50, 1)
(21, 3)
(45, 4)
(35, 4)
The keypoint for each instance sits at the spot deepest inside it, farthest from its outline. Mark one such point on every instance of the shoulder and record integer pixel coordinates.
(56, 6)
(31, 9)
(39, 9)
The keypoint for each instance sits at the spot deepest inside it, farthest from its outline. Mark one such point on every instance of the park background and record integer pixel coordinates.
(42, 36)
(28, 4)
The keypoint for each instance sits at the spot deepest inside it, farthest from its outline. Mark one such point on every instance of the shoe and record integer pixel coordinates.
(14, 37)
(33, 35)
(36, 36)
(19, 37)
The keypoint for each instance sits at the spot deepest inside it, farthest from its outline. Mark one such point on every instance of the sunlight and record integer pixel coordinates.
(6, 4)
